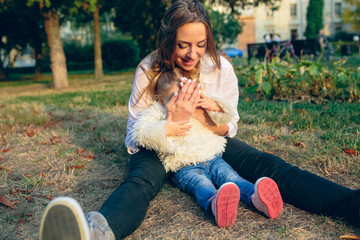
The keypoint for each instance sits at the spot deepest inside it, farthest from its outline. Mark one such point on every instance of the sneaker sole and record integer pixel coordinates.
(63, 219)
(227, 202)
(270, 195)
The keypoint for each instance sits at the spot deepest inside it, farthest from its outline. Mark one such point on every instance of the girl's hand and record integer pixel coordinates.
(179, 128)
(182, 105)
(208, 104)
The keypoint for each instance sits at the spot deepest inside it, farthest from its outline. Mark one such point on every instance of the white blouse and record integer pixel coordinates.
(221, 83)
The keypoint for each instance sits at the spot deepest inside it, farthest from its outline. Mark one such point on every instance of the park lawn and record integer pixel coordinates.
(71, 142)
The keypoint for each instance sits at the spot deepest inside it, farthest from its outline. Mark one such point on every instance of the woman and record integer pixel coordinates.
(185, 40)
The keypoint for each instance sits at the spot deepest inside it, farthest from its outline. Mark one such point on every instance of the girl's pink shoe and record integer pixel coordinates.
(225, 203)
(267, 198)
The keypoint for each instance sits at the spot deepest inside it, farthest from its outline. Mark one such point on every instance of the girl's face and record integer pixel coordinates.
(191, 42)
(165, 98)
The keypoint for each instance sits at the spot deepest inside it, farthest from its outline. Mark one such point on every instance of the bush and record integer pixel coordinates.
(76, 53)
(120, 54)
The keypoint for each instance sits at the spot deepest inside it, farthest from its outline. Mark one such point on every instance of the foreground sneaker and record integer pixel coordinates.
(225, 203)
(267, 198)
(99, 227)
(64, 219)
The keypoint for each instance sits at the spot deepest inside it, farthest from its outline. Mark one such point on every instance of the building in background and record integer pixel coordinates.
(289, 20)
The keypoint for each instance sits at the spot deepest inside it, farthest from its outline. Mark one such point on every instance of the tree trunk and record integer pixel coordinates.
(57, 55)
(98, 71)
(2, 71)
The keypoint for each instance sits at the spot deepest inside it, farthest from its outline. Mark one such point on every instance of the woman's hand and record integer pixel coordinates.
(208, 104)
(179, 128)
(182, 105)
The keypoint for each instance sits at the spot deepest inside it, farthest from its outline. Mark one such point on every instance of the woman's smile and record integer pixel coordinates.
(191, 43)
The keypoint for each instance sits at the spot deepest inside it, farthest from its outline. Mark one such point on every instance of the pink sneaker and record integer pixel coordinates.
(225, 203)
(267, 198)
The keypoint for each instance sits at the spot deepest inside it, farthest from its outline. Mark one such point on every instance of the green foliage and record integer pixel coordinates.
(141, 19)
(76, 53)
(225, 27)
(351, 13)
(120, 54)
(314, 18)
(305, 79)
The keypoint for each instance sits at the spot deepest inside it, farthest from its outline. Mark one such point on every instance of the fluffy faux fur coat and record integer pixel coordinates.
(176, 152)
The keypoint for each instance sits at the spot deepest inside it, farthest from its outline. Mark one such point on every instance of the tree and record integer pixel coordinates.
(351, 14)
(225, 27)
(141, 19)
(20, 25)
(314, 18)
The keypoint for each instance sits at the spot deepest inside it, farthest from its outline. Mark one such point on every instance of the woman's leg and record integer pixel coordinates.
(126, 207)
(298, 187)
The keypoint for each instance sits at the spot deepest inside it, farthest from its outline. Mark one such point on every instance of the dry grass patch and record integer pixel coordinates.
(71, 142)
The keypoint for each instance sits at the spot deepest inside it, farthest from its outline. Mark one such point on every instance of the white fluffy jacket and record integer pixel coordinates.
(176, 152)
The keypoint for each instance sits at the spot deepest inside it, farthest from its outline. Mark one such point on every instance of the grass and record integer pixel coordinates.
(71, 142)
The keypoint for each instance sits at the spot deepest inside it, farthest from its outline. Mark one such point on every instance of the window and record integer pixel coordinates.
(293, 10)
(269, 13)
(338, 9)
(293, 34)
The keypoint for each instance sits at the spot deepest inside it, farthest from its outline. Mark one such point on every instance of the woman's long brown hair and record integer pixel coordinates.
(179, 13)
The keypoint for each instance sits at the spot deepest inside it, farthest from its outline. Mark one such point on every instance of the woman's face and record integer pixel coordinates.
(191, 42)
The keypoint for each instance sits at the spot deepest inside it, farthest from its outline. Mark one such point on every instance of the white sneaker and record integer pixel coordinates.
(225, 203)
(99, 227)
(64, 219)
(267, 198)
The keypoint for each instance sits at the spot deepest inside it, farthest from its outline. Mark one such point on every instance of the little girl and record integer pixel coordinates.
(193, 153)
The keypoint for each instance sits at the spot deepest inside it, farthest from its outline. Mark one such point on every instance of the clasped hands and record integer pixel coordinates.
(188, 102)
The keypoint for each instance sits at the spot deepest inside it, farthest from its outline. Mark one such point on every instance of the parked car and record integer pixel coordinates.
(233, 52)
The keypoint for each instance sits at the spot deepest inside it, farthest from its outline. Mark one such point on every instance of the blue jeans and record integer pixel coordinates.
(202, 180)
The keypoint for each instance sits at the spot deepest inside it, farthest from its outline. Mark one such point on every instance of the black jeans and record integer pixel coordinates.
(126, 207)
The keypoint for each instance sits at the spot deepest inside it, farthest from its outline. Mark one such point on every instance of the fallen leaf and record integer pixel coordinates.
(70, 159)
(42, 174)
(79, 121)
(117, 104)
(80, 151)
(77, 166)
(30, 132)
(271, 137)
(28, 175)
(89, 157)
(55, 140)
(62, 189)
(9, 170)
(2, 106)
(29, 199)
(21, 221)
(350, 151)
(48, 196)
(4, 150)
(0, 159)
(291, 123)
(93, 128)
(300, 144)
(349, 237)
(15, 202)
(269, 152)
(6, 202)
(104, 140)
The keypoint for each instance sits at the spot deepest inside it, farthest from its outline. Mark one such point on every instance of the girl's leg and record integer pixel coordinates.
(298, 187)
(221, 172)
(196, 181)
(222, 203)
(126, 207)
(264, 195)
